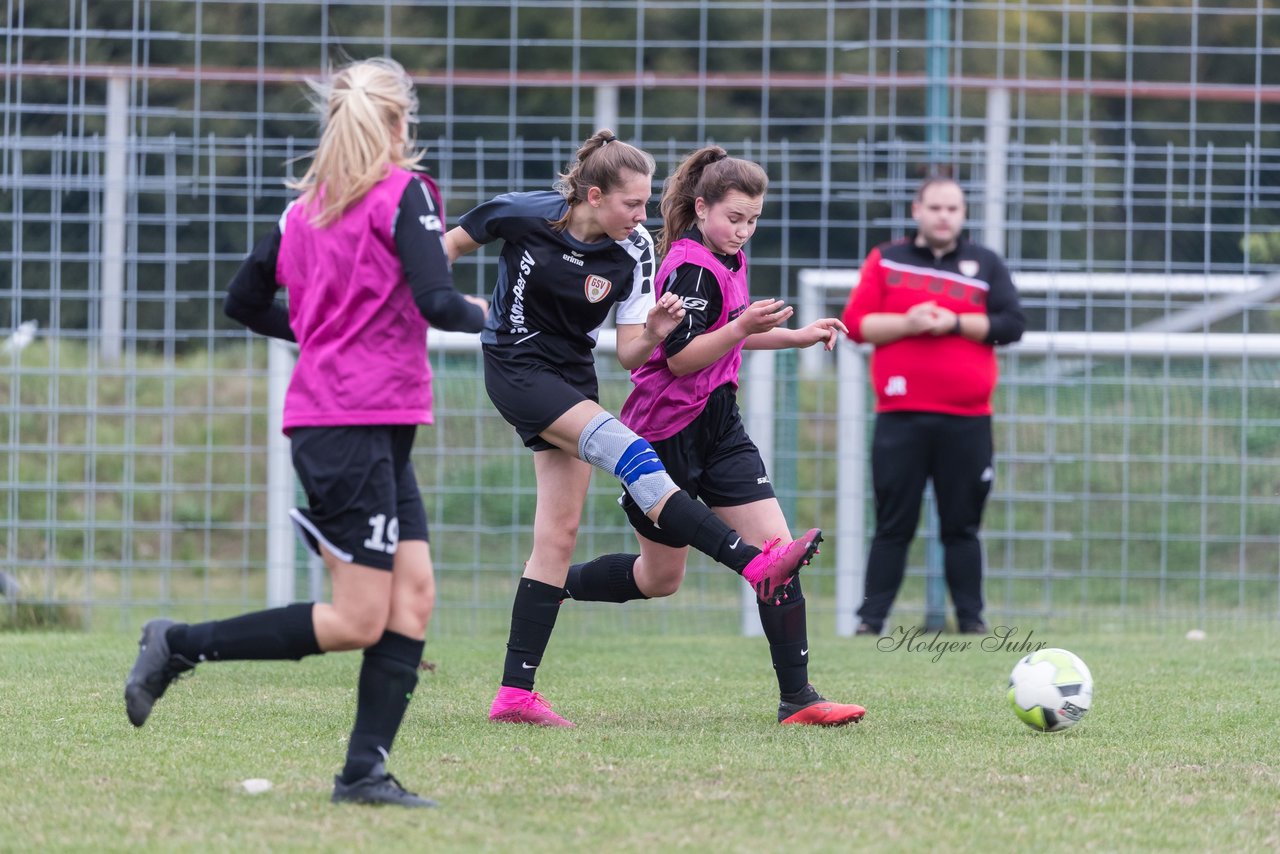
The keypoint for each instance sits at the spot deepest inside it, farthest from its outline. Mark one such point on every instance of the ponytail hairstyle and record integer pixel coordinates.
(600, 162)
(708, 174)
(361, 110)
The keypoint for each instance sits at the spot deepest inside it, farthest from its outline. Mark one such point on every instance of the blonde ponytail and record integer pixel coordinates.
(362, 107)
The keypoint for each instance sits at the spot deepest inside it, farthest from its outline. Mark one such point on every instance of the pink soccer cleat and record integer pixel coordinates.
(826, 713)
(813, 709)
(518, 706)
(773, 568)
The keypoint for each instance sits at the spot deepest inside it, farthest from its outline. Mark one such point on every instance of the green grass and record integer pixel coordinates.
(676, 749)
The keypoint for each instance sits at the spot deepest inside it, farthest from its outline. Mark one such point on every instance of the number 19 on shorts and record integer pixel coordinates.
(384, 535)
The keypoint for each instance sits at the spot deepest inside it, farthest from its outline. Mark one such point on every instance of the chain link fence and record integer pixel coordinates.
(1124, 156)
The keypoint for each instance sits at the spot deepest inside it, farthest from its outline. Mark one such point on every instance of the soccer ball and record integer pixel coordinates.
(1050, 690)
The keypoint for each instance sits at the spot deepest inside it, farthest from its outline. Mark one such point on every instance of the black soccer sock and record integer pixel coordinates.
(608, 578)
(693, 522)
(533, 616)
(786, 629)
(388, 676)
(271, 635)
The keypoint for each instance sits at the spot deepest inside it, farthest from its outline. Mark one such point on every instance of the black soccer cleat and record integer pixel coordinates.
(377, 788)
(154, 669)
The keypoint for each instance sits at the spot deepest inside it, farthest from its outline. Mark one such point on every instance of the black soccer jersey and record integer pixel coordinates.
(553, 291)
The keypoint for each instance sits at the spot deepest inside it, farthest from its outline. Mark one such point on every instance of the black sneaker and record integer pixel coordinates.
(154, 669)
(973, 627)
(378, 787)
(867, 629)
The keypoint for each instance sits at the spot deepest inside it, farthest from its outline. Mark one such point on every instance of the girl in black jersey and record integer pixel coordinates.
(568, 257)
(685, 402)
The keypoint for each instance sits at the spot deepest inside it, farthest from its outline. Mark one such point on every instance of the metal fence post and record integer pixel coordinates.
(851, 455)
(760, 371)
(280, 479)
(114, 183)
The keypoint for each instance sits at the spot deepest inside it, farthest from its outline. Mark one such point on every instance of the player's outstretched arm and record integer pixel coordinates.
(824, 331)
(760, 318)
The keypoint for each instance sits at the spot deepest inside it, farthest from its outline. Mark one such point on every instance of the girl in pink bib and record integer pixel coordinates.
(685, 403)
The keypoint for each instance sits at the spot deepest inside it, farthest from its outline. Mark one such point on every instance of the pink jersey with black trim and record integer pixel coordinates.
(662, 404)
(362, 340)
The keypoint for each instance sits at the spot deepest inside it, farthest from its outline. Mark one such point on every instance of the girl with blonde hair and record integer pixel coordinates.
(361, 255)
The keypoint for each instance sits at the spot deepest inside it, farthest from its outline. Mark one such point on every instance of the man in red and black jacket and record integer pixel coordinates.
(935, 306)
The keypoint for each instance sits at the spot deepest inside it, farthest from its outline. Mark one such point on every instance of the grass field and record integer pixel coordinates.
(676, 749)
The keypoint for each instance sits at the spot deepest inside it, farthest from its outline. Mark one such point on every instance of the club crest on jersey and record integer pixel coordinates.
(969, 268)
(597, 288)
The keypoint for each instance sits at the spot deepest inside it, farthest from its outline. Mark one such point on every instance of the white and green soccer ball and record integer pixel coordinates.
(1050, 690)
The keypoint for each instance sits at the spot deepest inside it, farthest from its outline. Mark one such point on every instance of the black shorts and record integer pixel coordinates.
(362, 495)
(531, 390)
(713, 459)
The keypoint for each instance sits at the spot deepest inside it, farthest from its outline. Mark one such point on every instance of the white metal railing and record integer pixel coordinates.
(852, 437)
(817, 289)
(281, 483)
(760, 414)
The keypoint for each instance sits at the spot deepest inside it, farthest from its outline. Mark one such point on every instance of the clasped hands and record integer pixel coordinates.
(929, 318)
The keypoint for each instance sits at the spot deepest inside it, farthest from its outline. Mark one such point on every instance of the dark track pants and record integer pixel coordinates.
(909, 449)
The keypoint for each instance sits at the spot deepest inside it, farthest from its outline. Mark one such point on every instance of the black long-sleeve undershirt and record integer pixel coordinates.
(251, 294)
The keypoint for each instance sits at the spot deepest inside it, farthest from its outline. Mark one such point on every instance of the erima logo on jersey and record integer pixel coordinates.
(431, 222)
(695, 304)
(895, 387)
(597, 288)
(572, 260)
